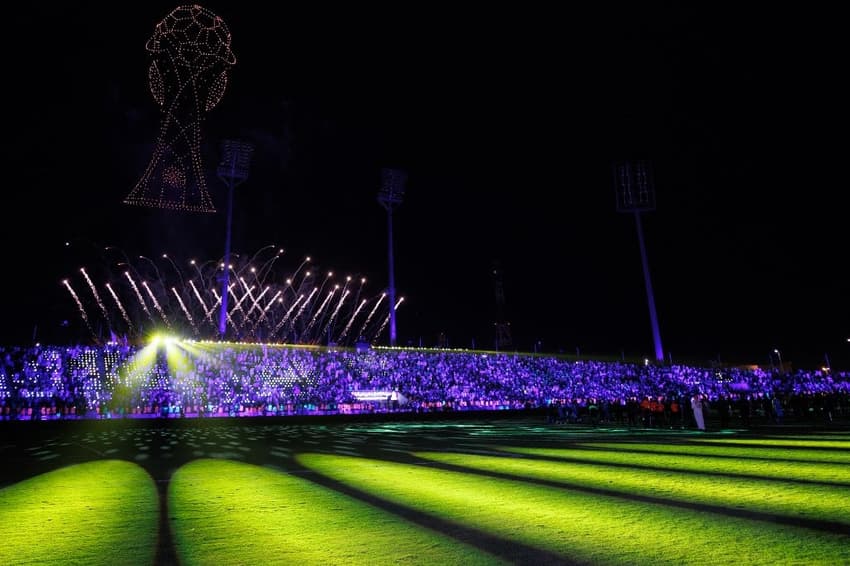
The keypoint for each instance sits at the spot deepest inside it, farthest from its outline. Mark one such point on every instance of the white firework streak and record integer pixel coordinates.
(286, 317)
(256, 304)
(255, 301)
(207, 313)
(218, 302)
(80, 306)
(139, 295)
(304, 304)
(156, 304)
(321, 307)
(96, 296)
(185, 311)
(266, 310)
(238, 305)
(351, 320)
(371, 314)
(336, 311)
(384, 325)
(120, 306)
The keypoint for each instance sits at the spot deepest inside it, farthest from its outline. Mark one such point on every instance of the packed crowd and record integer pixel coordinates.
(195, 379)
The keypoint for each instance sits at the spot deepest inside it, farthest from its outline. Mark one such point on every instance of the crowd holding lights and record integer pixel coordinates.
(177, 377)
(264, 304)
(190, 61)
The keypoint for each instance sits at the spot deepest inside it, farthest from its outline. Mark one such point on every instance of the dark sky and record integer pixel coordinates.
(507, 121)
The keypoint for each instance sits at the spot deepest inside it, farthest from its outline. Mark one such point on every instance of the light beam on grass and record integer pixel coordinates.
(581, 527)
(781, 442)
(764, 496)
(103, 512)
(793, 455)
(226, 512)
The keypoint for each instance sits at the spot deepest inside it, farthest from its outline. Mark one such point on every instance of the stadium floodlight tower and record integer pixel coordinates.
(390, 196)
(232, 170)
(636, 193)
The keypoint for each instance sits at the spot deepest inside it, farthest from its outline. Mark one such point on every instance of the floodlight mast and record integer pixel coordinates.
(390, 196)
(233, 170)
(636, 193)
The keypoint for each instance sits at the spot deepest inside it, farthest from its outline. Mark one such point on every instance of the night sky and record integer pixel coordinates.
(507, 121)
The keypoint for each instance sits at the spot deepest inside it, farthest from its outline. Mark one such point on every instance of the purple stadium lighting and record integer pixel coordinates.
(636, 193)
(390, 196)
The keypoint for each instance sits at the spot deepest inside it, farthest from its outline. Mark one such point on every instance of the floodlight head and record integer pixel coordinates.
(235, 161)
(392, 187)
(634, 185)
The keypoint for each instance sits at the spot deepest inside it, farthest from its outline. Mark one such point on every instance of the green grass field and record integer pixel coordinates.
(425, 493)
(102, 512)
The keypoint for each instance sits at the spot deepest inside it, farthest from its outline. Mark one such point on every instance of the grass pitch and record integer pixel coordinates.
(102, 512)
(437, 492)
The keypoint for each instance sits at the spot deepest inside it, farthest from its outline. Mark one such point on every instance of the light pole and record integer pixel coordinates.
(779, 357)
(391, 195)
(232, 171)
(636, 193)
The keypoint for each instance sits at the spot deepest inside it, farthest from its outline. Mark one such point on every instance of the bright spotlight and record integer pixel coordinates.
(163, 340)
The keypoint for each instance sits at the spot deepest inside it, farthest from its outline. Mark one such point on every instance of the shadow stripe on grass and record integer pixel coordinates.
(581, 526)
(224, 512)
(804, 473)
(666, 489)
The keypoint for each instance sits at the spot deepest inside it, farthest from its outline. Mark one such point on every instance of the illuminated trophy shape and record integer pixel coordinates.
(188, 75)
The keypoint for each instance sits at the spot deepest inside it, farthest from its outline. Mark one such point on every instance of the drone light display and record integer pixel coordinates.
(191, 58)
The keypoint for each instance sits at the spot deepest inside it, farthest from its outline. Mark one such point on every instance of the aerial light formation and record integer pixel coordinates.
(191, 58)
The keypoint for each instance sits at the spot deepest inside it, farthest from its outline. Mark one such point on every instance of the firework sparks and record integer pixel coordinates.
(371, 314)
(96, 295)
(185, 310)
(79, 305)
(351, 320)
(139, 295)
(156, 304)
(120, 306)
